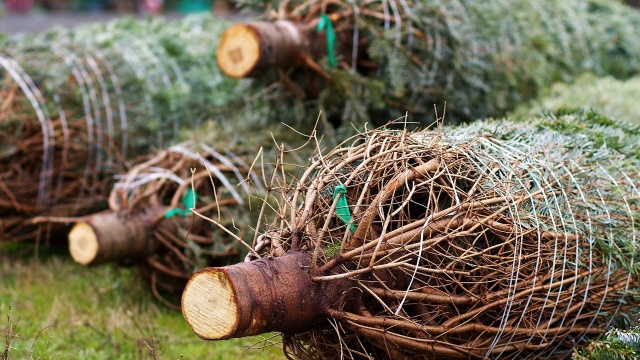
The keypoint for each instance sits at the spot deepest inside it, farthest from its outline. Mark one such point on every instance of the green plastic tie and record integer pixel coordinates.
(326, 24)
(189, 201)
(342, 206)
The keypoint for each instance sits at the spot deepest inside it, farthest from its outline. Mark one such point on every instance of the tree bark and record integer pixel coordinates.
(113, 236)
(272, 294)
(250, 49)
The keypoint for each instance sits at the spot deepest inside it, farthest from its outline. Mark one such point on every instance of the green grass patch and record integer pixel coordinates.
(61, 310)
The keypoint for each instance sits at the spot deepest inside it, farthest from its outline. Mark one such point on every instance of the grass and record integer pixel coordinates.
(54, 308)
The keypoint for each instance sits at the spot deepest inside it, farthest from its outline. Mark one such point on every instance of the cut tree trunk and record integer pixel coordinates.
(272, 294)
(113, 236)
(251, 49)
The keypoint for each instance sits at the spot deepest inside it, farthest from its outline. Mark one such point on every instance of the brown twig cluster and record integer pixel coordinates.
(53, 162)
(156, 199)
(8, 334)
(463, 245)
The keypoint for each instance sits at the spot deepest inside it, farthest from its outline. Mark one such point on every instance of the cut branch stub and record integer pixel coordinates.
(113, 236)
(273, 294)
(250, 49)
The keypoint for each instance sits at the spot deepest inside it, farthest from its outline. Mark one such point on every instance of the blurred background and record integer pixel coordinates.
(17, 16)
(122, 6)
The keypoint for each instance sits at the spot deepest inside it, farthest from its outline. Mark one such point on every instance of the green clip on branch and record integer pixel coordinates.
(326, 24)
(342, 206)
(189, 201)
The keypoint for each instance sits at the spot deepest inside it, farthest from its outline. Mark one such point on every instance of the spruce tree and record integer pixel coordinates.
(78, 105)
(499, 239)
(482, 57)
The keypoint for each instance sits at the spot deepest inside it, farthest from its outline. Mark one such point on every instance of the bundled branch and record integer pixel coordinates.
(483, 58)
(150, 221)
(615, 344)
(77, 106)
(611, 97)
(499, 239)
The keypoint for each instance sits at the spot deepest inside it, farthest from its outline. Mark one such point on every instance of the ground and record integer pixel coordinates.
(62, 310)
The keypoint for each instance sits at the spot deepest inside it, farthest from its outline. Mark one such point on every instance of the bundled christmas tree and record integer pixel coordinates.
(499, 239)
(159, 210)
(358, 58)
(155, 220)
(76, 106)
(617, 99)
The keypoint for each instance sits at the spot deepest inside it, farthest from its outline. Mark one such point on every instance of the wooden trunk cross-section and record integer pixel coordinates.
(252, 48)
(112, 236)
(272, 294)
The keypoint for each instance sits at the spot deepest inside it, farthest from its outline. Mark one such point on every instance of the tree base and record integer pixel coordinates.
(114, 236)
(272, 294)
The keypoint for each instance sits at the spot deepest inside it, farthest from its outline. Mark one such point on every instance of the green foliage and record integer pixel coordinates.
(614, 345)
(352, 95)
(600, 129)
(595, 159)
(603, 157)
(614, 98)
(152, 76)
(332, 249)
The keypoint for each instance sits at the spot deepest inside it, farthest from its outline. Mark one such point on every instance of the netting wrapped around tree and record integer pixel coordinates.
(77, 105)
(482, 57)
(500, 239)
(150, 223)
